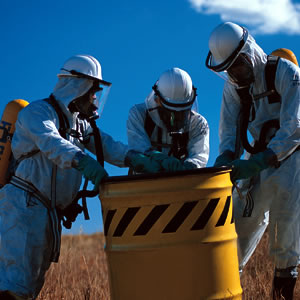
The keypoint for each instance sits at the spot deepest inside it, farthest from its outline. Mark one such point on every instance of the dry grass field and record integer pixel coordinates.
(82, 272)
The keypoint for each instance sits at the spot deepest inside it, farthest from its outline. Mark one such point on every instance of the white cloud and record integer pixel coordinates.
(262, 16)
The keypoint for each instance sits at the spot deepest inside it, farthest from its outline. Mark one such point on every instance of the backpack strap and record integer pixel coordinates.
(64, 124)
(63, 127)
(270, 74)
(149, 125)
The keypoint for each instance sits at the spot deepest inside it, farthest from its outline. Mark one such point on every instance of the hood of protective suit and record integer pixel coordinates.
(152, 107)
(69, 88)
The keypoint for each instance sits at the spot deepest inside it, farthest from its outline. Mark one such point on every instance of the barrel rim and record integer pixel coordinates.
(124, 178)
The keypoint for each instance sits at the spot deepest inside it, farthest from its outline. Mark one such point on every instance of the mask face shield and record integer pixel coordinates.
(91, 104)
(241, 71)
(99, 94)
(175, 121)
(175, 116)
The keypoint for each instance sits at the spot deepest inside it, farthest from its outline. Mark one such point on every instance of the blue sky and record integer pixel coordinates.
(134, 41)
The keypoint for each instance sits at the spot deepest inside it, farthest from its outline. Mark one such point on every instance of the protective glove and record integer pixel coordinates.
(242, 169)
(92, 170)
(224, 159)
(141, 163)
(188, 165)
(168, 163)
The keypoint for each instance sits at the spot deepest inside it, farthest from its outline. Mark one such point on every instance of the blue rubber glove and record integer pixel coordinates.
(92, 170)
(141, 163)
(168, 163)
(243, 169)
(224, 159)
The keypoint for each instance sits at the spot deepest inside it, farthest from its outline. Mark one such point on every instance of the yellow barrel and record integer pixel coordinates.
(171, 236)
(7, 128)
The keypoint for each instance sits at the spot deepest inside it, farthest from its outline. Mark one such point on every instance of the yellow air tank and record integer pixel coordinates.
(171, 236)
(287, 54)
(7, 128)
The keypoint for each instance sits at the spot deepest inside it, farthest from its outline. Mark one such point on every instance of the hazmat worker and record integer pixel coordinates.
(261, 94)
(167, 128)
(48, 145)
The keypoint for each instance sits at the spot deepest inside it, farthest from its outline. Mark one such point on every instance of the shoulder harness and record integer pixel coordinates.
(179, 142)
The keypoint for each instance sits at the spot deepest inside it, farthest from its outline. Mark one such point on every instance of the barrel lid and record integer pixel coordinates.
(208, 170)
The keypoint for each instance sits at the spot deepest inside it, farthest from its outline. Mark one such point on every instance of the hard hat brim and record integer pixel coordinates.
(77, 74)
(175, 105)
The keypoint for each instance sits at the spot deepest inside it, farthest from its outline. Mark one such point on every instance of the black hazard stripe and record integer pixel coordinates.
(180, 217)
(151, 219)
(108, 219)
(176, 221)
(206, 214)
(223, 217)
(125, 221)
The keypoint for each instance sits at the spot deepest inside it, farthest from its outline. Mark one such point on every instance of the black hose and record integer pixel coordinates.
(74, 208)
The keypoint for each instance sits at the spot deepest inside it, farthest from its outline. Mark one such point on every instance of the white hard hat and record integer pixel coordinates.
(175, 89)
(82, 66)
(225, 43)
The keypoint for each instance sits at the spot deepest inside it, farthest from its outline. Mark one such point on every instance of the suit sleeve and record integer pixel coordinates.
(198, 145)
(138, 138)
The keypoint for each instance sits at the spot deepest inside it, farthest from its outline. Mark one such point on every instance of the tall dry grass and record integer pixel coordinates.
(82, 272)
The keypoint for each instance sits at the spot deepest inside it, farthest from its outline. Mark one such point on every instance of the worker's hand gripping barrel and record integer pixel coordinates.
(171, 236)
(7, 128)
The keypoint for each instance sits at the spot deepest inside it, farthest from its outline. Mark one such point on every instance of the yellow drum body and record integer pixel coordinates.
(7, 128)
(171, 236)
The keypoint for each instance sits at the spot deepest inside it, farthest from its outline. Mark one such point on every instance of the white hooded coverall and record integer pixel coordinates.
(276, 191)
(29, 232)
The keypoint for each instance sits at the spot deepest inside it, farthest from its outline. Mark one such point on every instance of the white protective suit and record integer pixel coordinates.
(276, 191)
(29, 238)
(138, 139)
